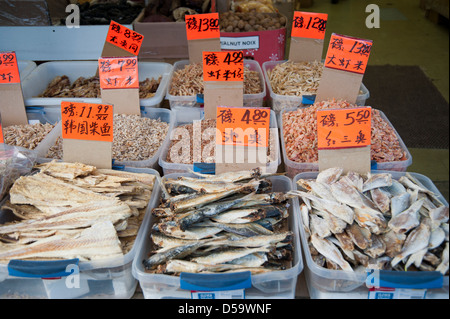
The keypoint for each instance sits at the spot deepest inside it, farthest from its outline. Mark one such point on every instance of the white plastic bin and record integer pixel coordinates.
(36, 83)
(25, 68)
(109, 278)
(280, 102)
(162, 114)
(294, 168)
(189, 103)
(338, 284)
(182, 118)
(272, 285)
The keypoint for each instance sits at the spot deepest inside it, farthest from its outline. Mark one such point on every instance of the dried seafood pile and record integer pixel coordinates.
(74, 211)
(60, 86)
(206, 147)
(135, 138)
(26, 135)
(300, 134)
(224, 223)
(189, 81)
(375, 221)
(295, 78)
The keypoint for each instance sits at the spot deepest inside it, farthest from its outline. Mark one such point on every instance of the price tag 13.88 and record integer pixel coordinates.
(85, 121)
(344, 128)
(223, 66)
(9, 70)
(122, 37)
(243, 126)
(309, 25)
(202, 26)
(118, 73)
(348, 53)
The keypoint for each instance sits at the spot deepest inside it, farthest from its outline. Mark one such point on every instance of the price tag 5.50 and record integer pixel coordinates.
(9, 70)
(344, 128)
(118, 73)
(202, 26)
(223, 66)
(309, 25)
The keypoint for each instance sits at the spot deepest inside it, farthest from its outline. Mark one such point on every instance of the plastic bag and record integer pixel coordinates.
(14, 162)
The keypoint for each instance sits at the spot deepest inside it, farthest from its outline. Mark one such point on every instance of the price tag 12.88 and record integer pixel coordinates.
(344, 128)
(243, 126)
(118, 73)
(9, 70)
(223, 66)
(309, 25)
(122, 37)
(348, 53)
(202, 26)
(86, 121)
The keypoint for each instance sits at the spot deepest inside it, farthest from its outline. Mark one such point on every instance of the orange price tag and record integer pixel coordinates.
(243, 126)
(118, 73)
(348, 54)
(9, 69)
(2, 140)
(87, 121)
(223, 66)
(202, 26)
(344, 128)
(309, 25)
(124, 38)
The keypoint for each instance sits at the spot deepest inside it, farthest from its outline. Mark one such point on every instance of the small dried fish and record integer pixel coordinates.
(330, 251)
(228, 255)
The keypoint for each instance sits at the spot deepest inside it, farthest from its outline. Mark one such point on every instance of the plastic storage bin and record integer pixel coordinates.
(280, 102)
(338, 284)
(40, 78)
(190, 102)
(164, 115)
(294, 168)
(277, 284)
(25, 68)
(182, 118)
(108, 278)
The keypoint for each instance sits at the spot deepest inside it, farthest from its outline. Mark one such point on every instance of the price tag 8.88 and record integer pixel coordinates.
(118, 73)
(9, 69)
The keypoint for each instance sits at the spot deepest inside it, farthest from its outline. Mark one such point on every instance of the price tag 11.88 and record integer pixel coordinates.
(344, 128)
(9, 70)
(118, 73)
(223, 66)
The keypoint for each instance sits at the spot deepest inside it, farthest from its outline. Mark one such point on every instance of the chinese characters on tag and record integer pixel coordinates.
(223, 66)
(9, 70)
(118, 73)
(124, 38)
(309, 25)
(202, 26)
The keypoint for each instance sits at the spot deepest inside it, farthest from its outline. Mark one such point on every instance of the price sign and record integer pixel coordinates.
(86, 121)
(9, 70)
(2, 140)
(348, 53)
(223, 66)
(202, 26)
(118, 73)
(122, 37)
(243, 126)
(309, 25)
(344, 128)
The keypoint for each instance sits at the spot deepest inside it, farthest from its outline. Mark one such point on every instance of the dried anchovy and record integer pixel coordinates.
(189, 81)
(300, 135)
(90, 87)
(135, 138)
(26, 135)
(296, 78)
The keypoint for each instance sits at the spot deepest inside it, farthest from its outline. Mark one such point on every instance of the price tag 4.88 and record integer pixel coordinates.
(118, 73)
(223, 66)
(9, 69)
(344, 128)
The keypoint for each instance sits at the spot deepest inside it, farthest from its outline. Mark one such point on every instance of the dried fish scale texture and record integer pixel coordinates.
(135, 138)
(189, 81)
(26, 135)
(296, 78)
(60, 86)
(300, 135)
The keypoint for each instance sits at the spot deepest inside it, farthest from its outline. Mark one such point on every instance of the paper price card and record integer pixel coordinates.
(309, 25)
(124, 38)
(118, 73)
(202, 26)
(86, 121)
(348, 54)
(344, 128)
(9, 69)
(223, 66)
(243, 126)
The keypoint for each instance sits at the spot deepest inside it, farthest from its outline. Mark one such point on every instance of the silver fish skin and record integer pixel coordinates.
(400, 203)
(345, 240)
(394, 243)
(417, 240)
(228, 255)
(234, 176)
(356, 180)
(432, 259)
(381, 199)
(330, 175)
(416, 258)
(241, 216)
(439, 216)
(377, 181)
(330, 251)
(171, 229)
(319, 226)
(347, 252)
(407, 182)
(445, 228)
(377, 249)
(178, 266)
(437, 238)
(443, 266)
(251, 260)
(370, 219)
(359, 236)
(396, 188)
(305, 218)
(247, 230)
(321, 190)
(407, 219)
(336, 225)
(379, 263)
(279, 239)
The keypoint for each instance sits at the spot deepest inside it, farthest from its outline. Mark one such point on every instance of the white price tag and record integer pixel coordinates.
(226, 294)
(397, 293)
